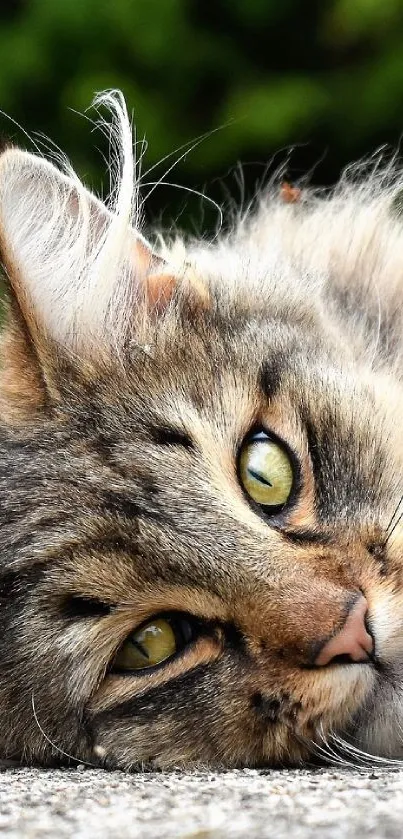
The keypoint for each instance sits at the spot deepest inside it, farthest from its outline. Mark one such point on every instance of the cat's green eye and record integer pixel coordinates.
(265, 471)
(153, 643)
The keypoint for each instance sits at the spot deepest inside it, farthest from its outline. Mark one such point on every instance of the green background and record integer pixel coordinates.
(324, 77)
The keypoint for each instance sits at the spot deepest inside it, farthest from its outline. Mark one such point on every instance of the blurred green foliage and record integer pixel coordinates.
(325, 75)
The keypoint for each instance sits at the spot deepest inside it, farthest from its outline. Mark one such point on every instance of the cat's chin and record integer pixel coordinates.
(376, 733)
(373, 734)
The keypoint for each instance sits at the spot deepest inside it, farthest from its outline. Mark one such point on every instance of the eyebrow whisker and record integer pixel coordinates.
(394, 521)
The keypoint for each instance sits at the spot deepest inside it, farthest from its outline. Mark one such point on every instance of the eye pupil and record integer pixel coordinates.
(259, 477)
(141, 649)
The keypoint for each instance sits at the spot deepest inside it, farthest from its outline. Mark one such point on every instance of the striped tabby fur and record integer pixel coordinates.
(130, 377)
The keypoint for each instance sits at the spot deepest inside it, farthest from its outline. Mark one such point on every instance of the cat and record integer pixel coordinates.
(201, 475)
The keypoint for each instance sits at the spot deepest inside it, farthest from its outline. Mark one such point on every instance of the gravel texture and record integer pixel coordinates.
(322, 804)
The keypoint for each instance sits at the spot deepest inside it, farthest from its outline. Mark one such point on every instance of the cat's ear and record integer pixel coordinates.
(73, 268)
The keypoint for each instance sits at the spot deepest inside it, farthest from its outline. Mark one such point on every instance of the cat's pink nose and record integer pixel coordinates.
(352, 641)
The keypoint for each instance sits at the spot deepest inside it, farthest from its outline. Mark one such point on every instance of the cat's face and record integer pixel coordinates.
(159, 605)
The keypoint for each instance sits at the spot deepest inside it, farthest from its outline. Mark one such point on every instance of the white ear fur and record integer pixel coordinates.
(74, 265)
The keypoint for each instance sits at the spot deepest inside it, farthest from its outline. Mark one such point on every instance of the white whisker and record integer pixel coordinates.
(339, 757)
(317, 750)
(366, 757)
(54, 746)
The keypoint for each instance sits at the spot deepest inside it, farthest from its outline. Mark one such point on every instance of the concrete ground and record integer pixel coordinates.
(307, 804)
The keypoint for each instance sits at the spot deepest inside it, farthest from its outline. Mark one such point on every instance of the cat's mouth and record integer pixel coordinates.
(373, 733)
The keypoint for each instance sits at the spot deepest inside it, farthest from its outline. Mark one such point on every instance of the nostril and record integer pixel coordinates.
(352, 643)
(344, 658)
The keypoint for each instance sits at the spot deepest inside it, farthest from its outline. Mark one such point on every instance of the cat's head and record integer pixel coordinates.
(198, 468)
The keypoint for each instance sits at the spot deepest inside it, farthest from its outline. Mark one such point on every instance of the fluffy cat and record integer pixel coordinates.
(201, 475)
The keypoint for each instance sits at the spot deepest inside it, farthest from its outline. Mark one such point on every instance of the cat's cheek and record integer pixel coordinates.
(329, 698)
(221, 714)
(298, 709)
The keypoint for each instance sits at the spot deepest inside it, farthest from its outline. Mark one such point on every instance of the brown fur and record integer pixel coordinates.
(121, 501)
